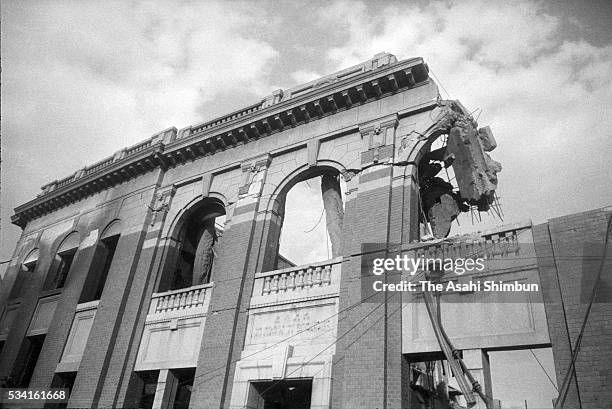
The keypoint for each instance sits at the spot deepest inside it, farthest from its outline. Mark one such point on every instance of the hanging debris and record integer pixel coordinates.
(475, 171)
(465, 150)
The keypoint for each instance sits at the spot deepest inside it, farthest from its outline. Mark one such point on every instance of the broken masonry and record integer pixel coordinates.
(466, 150)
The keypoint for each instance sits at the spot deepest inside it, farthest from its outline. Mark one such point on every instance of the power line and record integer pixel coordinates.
(572, 366)
(318, 221)
(294, 335)
(286, 339)
(333, 343)
(439, 82)
(544, 369)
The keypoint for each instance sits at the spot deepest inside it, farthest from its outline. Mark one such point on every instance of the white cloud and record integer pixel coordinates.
(304, 76)
(81, 80)
(84, 79)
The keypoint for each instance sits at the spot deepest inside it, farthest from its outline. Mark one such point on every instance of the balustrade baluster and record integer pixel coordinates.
(291, 281)
(283, 282)
(266, 286)
(317, 276)
(327, 274)
(163, 303)
(300, 279)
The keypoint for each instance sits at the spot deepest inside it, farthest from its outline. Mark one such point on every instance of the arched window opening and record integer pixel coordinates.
(198, 234)
(101, 264)
(60, 267)
(28, 265)
(312, 219)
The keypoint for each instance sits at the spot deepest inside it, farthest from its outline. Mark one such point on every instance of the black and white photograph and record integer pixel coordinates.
(308, 204)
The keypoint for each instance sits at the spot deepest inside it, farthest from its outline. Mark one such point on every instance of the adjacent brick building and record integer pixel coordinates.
(105, 293)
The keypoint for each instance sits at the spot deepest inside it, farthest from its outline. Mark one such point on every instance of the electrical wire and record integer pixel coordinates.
(439, 82)
(289, 337)
(544, 369)
(333, 343)
(318, 221)
(572, 366)
(413, 277)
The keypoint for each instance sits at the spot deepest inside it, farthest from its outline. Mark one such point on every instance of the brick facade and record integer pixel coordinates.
(352, 125)
(569, 249)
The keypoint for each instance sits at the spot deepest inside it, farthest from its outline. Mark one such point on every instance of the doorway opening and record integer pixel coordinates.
(285, 394)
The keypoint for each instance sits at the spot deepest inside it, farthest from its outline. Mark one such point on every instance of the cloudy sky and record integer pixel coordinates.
(82, 79)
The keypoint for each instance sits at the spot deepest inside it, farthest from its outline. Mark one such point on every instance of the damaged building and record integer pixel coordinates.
(154, 277)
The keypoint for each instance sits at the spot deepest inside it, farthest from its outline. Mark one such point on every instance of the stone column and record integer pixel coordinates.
(334, 210)
(202, 264)
(59, 329)
(106, 366)
(25, 304)
(167, 384)
(119, 388)
(477, 361)
(224, 334)
(368, 367)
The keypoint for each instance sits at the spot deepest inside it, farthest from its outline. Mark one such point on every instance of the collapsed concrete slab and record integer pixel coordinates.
(474, 169)
(465, 151)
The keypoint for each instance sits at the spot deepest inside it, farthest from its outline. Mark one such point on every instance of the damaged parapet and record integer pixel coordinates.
(466, 150)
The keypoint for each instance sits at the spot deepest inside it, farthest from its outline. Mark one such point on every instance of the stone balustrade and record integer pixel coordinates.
(98, 166)
(138, 148)
(181, 300)
(173, 330)
(224, 119)
(65, 181)
(314, 280)
(297, 280)
(501, 243)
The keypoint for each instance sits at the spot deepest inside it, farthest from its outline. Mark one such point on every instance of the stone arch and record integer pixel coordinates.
(331, 174)
(31, 258)
(100, 267)
(192, 235)
(113, 228)
(299, 174)
(62, 261)
(69, 242)
(26, 268)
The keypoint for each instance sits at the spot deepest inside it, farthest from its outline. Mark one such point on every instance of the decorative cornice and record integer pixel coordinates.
(377, 78)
